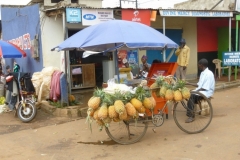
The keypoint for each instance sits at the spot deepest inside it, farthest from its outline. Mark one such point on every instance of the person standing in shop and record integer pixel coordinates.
(16, 67)
(183, 55)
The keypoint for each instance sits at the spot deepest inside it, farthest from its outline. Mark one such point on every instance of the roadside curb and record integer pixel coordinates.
(227, 85)
(78, 111)
(70, 112)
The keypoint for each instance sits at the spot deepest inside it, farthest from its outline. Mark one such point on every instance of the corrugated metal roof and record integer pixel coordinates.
(88, 7)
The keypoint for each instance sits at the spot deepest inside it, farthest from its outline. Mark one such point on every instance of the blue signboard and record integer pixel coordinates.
(132, 57)
(231, 58)
(73, 15)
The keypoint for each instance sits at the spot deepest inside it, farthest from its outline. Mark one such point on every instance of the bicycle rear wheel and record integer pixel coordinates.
(203, 113)
(127, 132)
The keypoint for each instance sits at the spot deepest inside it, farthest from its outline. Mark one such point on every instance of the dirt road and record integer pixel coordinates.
(51, 138)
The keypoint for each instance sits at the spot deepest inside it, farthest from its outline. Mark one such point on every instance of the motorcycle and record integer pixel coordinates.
(26, 109)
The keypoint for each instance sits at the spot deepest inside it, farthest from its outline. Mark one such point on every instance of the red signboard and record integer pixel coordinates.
(141, 16)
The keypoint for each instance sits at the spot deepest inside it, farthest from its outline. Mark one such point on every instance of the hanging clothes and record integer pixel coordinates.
(55, 90)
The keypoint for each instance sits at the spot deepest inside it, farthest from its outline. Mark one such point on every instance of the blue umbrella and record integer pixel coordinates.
(114, 34)
(117, 34)
(9, 50)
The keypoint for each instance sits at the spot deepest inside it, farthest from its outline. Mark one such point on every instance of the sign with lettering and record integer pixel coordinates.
(238, 5)
(141, 16)
(93, 16)
(73, 15)
(231, 58)
(185, 13)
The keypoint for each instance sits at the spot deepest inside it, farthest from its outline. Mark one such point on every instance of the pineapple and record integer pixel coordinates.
(107, 121)
(186, 93)
(160, 80)
(100, 122)
(116, 119)
(111, 112)
(147, 103)
(95, 114)
(136, 103)
(141, 110)
(153, 101)
(119, 107)
(169, 95)
(154, 87)
(123, 116)
(103, 111)
(95, 100)
(177, 95)
(131, 111)
(90, 112)
(163, 90)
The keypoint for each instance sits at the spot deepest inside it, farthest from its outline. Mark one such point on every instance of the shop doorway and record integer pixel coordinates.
(75, 57)
(173, 34)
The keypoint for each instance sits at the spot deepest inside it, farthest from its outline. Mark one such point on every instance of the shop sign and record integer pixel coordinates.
(91, 16)
(73, 15)
(141, 16)
(181, 13)
(231, 58)
(132, 57)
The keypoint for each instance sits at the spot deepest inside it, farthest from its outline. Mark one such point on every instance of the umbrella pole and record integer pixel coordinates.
(116, 66)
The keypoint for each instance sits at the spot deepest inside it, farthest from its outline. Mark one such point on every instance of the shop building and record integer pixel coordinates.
(55, 24)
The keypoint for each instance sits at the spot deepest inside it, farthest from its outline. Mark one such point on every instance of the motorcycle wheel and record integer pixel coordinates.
(27, 114)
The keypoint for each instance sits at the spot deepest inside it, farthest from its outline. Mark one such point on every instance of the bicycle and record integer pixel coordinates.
(128, 132)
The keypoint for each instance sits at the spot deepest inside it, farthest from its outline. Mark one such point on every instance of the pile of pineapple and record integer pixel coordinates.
(170, 89)
(105, 107)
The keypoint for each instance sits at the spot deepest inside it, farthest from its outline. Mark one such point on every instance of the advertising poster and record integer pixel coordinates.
(132, 57)
(122, 58)
(93, 16)
(73, 15)
(141, 16)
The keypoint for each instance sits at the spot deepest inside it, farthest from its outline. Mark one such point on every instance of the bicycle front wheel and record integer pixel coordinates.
(202, 112)
(127, 132)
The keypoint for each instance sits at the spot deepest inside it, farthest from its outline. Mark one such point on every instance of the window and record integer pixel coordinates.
(55, 1)
(74, 1)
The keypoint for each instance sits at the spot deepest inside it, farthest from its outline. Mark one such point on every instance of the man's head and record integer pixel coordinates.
(8, 69)
(182, 42)
(202, 64)
(144, 59)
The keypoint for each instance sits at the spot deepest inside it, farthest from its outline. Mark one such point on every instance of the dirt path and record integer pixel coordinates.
(43, 140)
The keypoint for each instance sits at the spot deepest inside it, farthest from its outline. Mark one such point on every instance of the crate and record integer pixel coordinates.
(160, 102)
(164, 69)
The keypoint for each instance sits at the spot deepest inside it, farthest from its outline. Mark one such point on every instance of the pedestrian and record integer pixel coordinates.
(16, 67)
(144, 67)
(205, 85)
(11, 90)
(183, 55)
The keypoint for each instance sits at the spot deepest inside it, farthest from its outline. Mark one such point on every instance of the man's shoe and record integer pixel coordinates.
(189, 120)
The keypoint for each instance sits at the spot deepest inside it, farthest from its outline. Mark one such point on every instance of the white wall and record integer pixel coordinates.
(52, 35)
(189, 26)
